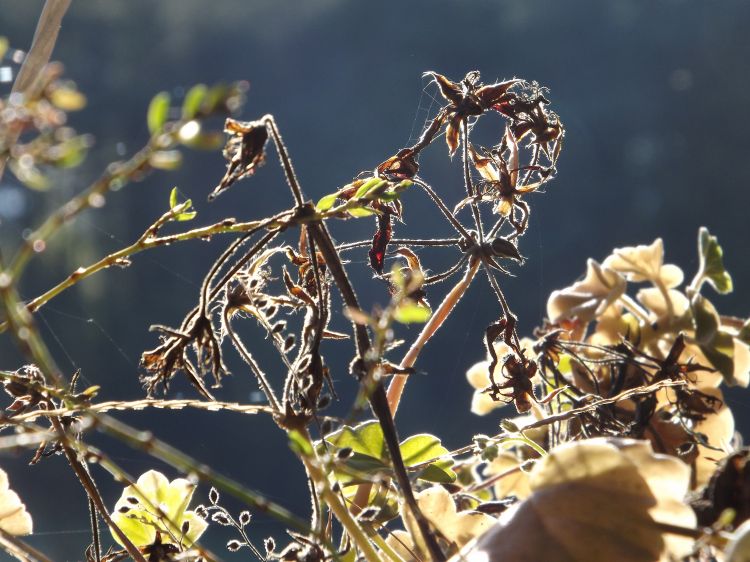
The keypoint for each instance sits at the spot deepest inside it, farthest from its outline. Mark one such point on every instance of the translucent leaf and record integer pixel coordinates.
(182, 211)
(705, 319)
(139, 511)
(711, 267)
(193, 101)
(588, 298)
(411, 312)
(166, 159)
(158, 111)
(67, 99)
(29, 175)
(14, 519)
(738, 549)
(593, 500)
(326, 202)
(365, 438)
(299, 444)
(419, 449)
(720, 352)
(369, 185)
(644, 263)
(439, 509)
(360, 212)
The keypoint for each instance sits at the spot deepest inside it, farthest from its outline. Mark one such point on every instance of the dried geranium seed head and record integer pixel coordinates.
(278, 327)
(270, 545)
(505, 249)
(288, 343)
(324, 401)
(369, 513)
(213, 496)
(245, 518)
(185, 527)
(326, 426)
(344, 453)
(221, 518)
(270, 311)
(234, 545)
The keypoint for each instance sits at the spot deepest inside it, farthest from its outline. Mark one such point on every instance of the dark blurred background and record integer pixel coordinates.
(653, 95)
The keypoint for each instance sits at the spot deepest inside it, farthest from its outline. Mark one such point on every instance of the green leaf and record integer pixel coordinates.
(705, 319)
(421, 448)
(158, 111)
(193, 101)
(3, 46)
(712, 263)
(365, 438)
(720, 352)
(411, 313)
(29, 175)
(403, 185)
(300, 444)
(360, 212)
(208, 140)
(166, 159)
(181, 211)
(326, 202)
(439, 472)
(370, 185)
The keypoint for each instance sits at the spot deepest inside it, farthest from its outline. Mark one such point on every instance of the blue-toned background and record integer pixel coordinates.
(653, 95)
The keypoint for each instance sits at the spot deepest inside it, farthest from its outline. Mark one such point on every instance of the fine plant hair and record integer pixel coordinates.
(601, 366)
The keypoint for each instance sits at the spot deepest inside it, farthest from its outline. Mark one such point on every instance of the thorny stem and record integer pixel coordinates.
(396, 388)
(378, 399)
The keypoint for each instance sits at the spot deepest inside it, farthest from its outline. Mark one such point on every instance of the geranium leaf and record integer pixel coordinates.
(712, 263)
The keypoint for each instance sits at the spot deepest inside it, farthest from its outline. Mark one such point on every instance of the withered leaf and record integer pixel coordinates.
(245, 152)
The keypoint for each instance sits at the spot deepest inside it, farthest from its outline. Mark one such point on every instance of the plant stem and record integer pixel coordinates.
(37, 58)
(396, 388)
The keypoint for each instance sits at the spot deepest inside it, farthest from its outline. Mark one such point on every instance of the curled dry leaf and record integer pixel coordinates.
(594, 500)
(588, 298)
(457, 528)
(14, 519)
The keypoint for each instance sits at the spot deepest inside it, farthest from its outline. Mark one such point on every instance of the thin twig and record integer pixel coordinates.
(36, 59)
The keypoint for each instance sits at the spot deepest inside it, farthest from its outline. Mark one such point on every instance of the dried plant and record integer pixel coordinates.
(618, 395)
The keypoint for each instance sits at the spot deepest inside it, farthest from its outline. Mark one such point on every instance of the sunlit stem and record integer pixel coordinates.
(146, 242)
(467, 180)
(443, 209)
(286, 162)
(396, 388)
(634, 308)
(337, 506)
